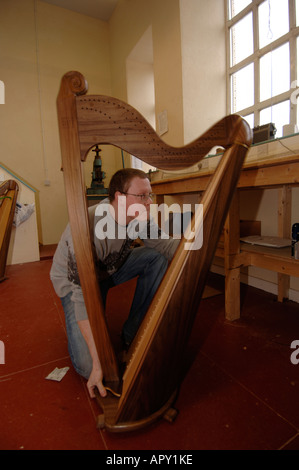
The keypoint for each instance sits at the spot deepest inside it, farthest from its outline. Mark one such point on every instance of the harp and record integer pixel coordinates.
(149, 384)
(8, 198)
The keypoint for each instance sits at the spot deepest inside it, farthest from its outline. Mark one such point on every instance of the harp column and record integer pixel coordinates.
(232, 250)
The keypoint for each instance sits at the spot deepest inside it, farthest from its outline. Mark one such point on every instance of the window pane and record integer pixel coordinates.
(273, 20)
(235, 6)
(250, 119)
(242, 86)
(275, 72)
(279, 114)
(241, 39)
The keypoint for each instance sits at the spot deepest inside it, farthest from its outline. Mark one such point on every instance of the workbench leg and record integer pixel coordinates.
(232, 247)
(284, 231)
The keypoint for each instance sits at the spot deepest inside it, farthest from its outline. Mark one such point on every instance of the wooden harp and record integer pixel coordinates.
(148, 386)
(8, 198)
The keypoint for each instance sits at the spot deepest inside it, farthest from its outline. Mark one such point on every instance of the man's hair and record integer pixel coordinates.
(121, 180)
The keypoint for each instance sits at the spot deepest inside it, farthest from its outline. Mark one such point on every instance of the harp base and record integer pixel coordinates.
(105, 420)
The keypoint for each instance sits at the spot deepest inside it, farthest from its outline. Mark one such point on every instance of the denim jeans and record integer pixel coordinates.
(150, 267)
(78, 350)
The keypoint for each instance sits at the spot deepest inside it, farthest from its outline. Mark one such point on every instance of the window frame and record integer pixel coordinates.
(254, 58)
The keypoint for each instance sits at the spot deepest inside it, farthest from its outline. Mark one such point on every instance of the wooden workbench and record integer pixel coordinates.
(276, 172)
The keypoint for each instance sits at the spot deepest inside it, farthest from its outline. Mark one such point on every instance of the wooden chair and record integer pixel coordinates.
(8, 198)
(148, 387)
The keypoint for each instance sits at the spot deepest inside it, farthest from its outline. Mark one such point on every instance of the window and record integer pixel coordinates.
(263, 61)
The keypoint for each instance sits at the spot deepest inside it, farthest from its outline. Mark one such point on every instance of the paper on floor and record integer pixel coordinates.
(57, 374)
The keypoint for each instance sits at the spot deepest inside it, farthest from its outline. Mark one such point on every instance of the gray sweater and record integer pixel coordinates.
(113, 244)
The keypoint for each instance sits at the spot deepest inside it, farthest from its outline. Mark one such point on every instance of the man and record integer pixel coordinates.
(116, 222)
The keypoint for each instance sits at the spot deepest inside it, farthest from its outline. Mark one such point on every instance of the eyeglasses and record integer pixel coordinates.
(143, 197)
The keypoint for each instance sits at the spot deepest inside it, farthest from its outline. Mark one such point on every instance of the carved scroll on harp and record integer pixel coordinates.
(8, 198)
(155, 365)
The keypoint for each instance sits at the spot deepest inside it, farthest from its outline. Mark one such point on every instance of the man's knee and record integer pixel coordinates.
(158, 261)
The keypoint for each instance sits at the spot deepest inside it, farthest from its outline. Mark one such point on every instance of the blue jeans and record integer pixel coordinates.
(150, 267)
(78, 350)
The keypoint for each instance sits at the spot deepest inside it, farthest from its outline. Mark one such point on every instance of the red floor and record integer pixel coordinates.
(241, 390)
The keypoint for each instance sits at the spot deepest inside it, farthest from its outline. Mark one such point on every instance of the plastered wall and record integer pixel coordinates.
(39, 43)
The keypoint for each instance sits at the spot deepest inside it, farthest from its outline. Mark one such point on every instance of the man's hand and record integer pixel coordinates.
(96, 380)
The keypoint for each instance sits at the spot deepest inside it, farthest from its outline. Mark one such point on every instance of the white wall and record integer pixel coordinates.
(203, 65)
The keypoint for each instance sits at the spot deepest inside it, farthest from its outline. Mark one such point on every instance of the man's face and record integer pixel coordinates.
(138, 198)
